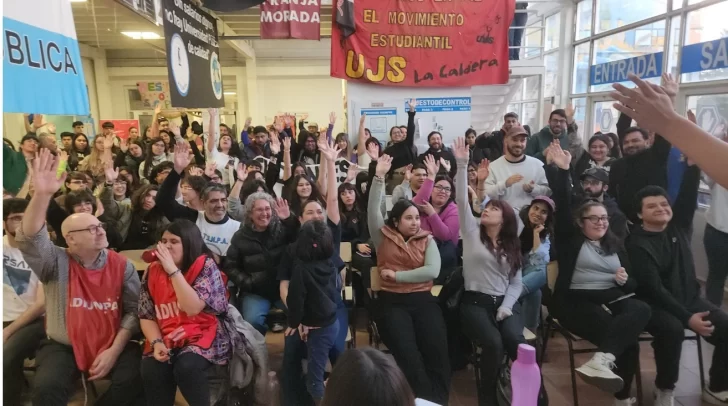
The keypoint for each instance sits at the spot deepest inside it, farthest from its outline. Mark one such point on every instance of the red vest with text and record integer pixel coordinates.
(94, 308)
(178, 328)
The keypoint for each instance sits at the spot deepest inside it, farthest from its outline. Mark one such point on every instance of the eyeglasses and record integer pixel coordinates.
(444, 189)
(596, 219)
(93, 230)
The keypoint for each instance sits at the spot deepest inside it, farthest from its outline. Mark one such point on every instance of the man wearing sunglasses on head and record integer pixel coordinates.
(92, 295)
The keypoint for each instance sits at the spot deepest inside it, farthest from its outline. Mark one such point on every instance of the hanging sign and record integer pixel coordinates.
(298, 19)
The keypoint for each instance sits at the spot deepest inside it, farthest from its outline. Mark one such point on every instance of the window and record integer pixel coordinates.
(580, 80)
(551, 80)
(640, 41)
(534, 40)
(674, 50)
(514, 108)
(583, 19)
(530, 116)
(613, 14)
(703, 25)
(553, 29)
(580, 112)
(605, 117)
(518, 95)
(533, 84)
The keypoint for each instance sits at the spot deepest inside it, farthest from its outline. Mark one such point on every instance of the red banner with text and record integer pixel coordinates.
(423, 43)
(299, 19)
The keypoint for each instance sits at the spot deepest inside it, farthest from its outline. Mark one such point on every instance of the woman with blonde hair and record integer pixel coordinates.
(95, 163)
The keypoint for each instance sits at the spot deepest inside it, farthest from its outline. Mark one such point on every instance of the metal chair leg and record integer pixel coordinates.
(700, 363)
(545, 336)
(572, 368)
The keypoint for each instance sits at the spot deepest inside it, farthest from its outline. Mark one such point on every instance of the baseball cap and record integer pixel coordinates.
(596, 173)
(517, 130)
(546, 200)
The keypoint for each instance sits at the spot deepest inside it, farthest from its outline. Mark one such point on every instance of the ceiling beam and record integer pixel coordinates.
(242, 47)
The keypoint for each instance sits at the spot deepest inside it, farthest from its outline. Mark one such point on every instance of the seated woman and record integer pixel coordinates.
(182, 296)
(305, 189)
(156, 154)
(597, 156)
(490, 313)
(537, 218)
(439, 214)
(355, 231)
(408, 317)
(588, 297)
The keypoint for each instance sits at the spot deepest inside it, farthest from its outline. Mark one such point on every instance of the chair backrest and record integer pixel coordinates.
(376, 283)
(345, 252)
(552, 272)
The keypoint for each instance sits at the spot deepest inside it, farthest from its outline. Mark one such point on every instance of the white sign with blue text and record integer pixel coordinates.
(644, 66)
(41, 60)
(445, 115)
(705, 56)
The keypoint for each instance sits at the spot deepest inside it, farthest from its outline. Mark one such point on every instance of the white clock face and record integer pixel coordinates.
(180, 64)
(216, 76)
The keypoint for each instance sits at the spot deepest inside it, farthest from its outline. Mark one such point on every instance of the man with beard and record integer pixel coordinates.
(594, 183)
(216, 226)
(490, 145)
(259, 146)
(563, 128)
(516, 177)
(440, 152)
(308, 151)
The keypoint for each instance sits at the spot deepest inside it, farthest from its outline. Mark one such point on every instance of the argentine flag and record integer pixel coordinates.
(42, 71)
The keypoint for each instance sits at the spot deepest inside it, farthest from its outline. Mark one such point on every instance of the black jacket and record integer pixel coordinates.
(253, 257)
(312, 294)
(404, 153)
(443, 153)
(490, 148)
(631, 173)
(666, 275)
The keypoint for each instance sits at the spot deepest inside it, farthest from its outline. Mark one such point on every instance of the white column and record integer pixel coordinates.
(243, 110)
(566, 53)
(251, 74)
(103, 90)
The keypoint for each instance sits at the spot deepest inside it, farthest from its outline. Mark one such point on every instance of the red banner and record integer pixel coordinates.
(424, 43)
(121, 127)
(299, 19)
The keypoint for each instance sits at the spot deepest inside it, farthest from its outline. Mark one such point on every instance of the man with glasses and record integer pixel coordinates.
(92, 297)
(563, 128)
(594, 184)
(216, 226)
(660, 251)
(23, 305)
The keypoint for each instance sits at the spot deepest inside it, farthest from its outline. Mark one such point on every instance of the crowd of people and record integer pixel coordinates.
(235, 227)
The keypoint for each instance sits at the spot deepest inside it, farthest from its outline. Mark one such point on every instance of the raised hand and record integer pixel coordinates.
(691, 117)
(196, 171)
(304, 117)
(108, 142)
(329, 151)
(648, 104)
(278, 124)
(670, 85)
(174, 128)
(432, 166)
(570, 110)
(445, 164)
(45, 173)
(287, 144)
(384, 164)
(332, 118)
(210, 168)
(408, 172)
(110, 173)
(275, 143)
(561, 158)
(242, 171)
(158, 108)
(483, 170)
(352, 172)
(373, 151)
(412, 104)
(181, 156)
(282, 209)
(363, 118)
(124, 145)
(247, 122)
(460, 148)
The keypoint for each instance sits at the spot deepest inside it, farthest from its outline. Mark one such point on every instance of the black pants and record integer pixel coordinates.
(495, 338)
(188, 371)
(19, 346)
(615, 333)
(669, 334)
(57, 372)
(413, 329)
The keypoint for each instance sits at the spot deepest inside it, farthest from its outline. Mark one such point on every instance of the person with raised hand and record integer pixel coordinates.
(490, 312)
(408, 317)
(74, 302)
(401, 149)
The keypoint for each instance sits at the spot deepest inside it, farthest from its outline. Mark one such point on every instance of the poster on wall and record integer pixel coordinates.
(432, 44)
(121, 127)
(290, 19)
(441, 114)
(193, 63)
(153, 93)
(379, 120)
(41, 58)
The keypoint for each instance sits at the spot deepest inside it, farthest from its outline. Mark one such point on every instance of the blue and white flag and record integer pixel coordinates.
(41, 60)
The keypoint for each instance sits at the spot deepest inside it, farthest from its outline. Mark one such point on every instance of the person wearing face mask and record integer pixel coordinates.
(492, 262)
(590, 295)
(441, 153)
(490, 145)
(597, 156)
(408, 317)
(131, 154)
(216, 226)
(563, 128)
(516, 177)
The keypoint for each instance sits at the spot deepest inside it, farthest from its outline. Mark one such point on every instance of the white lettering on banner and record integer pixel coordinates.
(93, 305)
(213, 239)
(20, 52)
(713, 59)
(166, 310)
(617, 71)
(289, 15)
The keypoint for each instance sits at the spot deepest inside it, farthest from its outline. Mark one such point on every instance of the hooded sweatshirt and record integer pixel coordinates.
(312, 294)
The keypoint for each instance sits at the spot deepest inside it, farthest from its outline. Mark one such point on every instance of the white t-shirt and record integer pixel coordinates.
(217, 237)
(221, 162)
(20, 284)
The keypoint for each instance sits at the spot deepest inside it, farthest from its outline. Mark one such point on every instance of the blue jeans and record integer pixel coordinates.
(255, 309)
(293, 384)
(531, 298)
(516, 35)
(320, 342)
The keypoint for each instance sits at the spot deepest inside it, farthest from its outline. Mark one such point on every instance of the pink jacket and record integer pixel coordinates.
(444, 226)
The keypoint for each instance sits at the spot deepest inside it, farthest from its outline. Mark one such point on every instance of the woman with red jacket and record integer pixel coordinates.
(182, 295)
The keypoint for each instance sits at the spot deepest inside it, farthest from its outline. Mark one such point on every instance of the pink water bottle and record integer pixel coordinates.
(525, 377)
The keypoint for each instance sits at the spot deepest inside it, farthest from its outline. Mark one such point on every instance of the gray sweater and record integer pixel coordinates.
(50, 264)
(481, 269)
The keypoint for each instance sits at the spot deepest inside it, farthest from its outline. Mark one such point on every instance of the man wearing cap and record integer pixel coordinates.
(594, 184)
(440, 152)
(515, 177)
